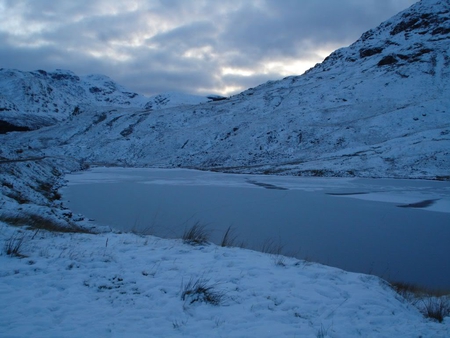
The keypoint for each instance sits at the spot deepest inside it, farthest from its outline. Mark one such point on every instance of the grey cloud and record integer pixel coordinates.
(288, 27)
(196, 34)
(87, 35)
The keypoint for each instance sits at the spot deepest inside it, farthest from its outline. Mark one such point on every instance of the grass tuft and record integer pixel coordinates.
(196, 235)
(322, 332)
(434, 304)
(13, 245)
(199, 290)
(273, 247)
(436, 308)
(229, 238)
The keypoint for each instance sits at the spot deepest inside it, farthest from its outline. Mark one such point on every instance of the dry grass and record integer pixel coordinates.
(408, 290)
(196, 235)
(39, 222)
(272, 246)
(436, 308)
(200, 290)
(13, 246)
(434, 304)
(229, 238)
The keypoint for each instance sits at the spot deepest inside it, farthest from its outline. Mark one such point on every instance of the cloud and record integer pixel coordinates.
(201, 46)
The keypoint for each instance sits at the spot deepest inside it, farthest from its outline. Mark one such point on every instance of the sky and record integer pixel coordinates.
(191, 46)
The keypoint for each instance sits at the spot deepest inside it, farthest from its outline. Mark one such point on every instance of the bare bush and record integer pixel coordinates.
(436, 308)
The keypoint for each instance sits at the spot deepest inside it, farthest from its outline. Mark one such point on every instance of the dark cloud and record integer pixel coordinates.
(152, 46)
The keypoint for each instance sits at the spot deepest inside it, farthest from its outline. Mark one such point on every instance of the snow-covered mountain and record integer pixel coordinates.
(376, 108)
(40, 98)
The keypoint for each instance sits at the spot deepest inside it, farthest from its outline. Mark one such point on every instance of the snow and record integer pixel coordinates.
(40, 98)
(348, 116)
(173, 99)
(125, 285)
(119, 284)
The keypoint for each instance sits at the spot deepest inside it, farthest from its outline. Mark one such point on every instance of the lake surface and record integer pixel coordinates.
(397, 229)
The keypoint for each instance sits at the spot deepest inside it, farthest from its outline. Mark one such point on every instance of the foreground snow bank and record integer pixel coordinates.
(114, 285)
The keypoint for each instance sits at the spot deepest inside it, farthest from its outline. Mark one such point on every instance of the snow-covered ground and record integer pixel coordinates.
(125, 285)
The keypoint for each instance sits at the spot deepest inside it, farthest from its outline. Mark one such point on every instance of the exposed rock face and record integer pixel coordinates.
(405, 38)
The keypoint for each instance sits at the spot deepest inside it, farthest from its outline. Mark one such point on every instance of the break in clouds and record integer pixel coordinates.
(197, 46)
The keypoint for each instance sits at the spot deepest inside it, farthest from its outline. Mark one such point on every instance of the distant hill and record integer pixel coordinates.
(41, 98)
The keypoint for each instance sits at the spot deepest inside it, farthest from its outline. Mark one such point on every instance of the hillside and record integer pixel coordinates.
(376, 108)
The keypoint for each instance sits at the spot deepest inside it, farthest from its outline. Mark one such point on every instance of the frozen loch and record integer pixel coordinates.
(396, 229)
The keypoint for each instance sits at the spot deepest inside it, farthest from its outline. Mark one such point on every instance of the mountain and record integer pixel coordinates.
(39, 98)
(377, 108)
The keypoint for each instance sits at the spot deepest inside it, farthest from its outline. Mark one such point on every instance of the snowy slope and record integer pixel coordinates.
(376, 108)
(121, 285)
(111, 285)
(173, 99)
(41, 98)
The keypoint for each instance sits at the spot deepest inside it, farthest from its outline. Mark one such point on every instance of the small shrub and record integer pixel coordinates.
(437, 308)
(196, 235)
(199, 290)
(229, 238)
(13, 245)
